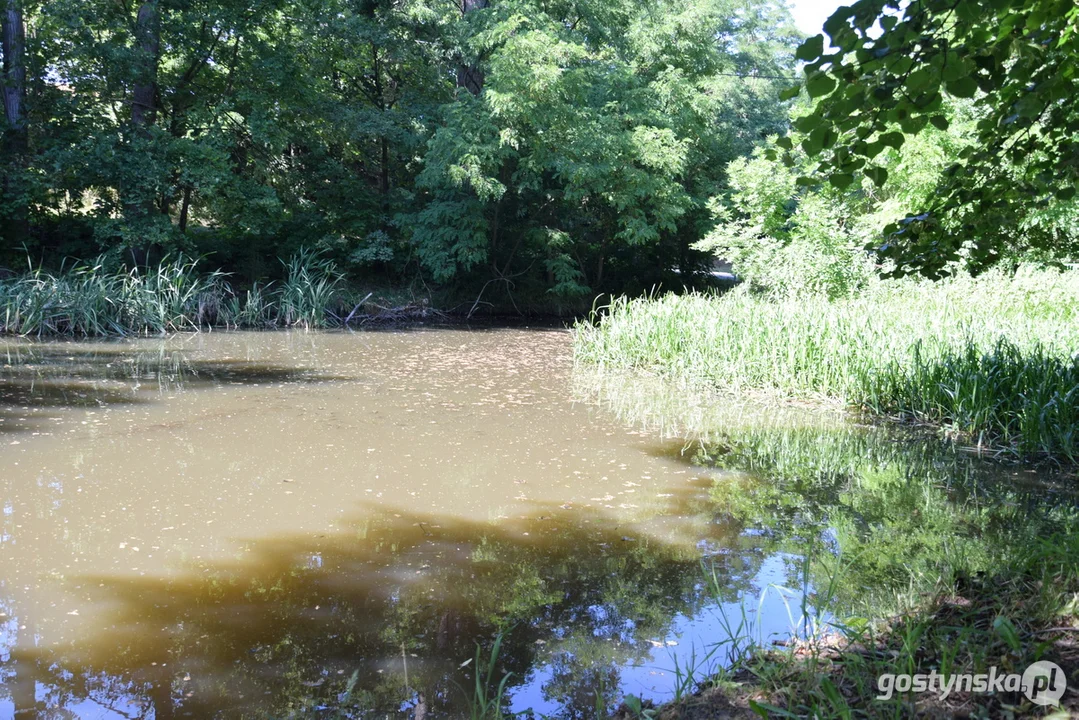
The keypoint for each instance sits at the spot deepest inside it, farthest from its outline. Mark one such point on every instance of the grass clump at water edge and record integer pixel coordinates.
(87, 300)
(995, 359)
(956, 637)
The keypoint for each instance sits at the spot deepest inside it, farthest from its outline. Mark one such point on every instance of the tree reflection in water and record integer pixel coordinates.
(403, 599)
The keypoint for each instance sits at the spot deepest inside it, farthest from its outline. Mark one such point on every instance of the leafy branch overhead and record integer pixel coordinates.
(883, 75)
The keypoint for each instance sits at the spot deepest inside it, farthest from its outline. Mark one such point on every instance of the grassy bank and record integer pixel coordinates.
(941, 564)
(983, 624)
(992, 359)
(914, 557)
(92, 300)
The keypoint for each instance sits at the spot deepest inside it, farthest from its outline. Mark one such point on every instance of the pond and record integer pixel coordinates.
(293, 524)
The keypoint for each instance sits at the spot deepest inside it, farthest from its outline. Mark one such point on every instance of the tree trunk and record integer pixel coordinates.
(23, 681)
(144, 93)
(470, 77)
(384, 145)
(384, 170)
(185, 208)
(13, 84)
(15, 142)
(140, 201)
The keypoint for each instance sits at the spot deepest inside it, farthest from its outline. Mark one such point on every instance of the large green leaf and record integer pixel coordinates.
(811, 49)
(819, 84)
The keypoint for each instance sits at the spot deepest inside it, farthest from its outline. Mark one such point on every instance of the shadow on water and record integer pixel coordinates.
(41, 377)
(402, 599)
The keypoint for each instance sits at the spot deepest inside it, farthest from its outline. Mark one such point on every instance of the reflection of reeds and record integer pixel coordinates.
(991, 359)
(911, 556)
(1021, 598)
(882, 524)
(685, 410)
(45, 374)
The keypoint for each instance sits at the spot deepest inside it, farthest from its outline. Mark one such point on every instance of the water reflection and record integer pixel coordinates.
(894, 503)
(263, 578)
(403, 601)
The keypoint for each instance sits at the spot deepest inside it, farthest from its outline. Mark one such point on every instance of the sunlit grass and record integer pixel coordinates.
(993, 358)
(90, 300)
(309, 292)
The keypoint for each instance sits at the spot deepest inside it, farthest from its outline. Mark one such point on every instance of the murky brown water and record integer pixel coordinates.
(174, 510)
(236, 525)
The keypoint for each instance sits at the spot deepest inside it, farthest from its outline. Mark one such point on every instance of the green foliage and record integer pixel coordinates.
(885, 76)
(591, 147)
(487, 700)
(784, 240)
(309, 290)
(787, 234)
(88, 300)
(582, 162)
(1026, 400)
(589, 137)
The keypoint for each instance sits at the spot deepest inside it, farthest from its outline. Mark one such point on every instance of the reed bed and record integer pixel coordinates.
(89, 300)
(995, 359)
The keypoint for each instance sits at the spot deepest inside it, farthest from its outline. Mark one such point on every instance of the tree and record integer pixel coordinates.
(470, 76)
(885, 77)
(140, 203)
(137, 103)
(602, 128)
(231, 127)
(14, 141)
(553, 148)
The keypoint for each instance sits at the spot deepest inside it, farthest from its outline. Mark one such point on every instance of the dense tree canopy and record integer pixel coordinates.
(884, 75)
(566, 146)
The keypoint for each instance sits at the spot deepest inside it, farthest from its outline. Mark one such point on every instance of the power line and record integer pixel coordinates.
(761, 77)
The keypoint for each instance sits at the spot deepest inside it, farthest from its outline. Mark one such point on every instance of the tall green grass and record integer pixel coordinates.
(91, 300)
(994, 358)
(309, 292)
